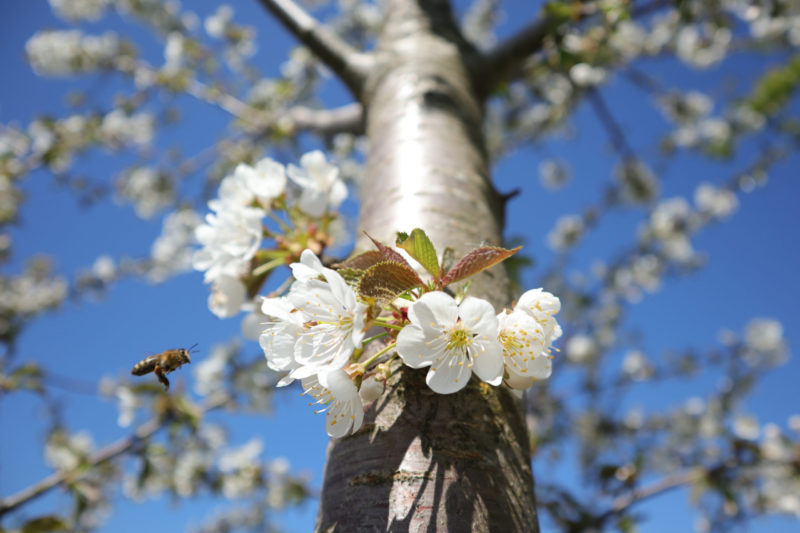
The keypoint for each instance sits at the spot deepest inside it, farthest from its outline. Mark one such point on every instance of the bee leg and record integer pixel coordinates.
(161, 377)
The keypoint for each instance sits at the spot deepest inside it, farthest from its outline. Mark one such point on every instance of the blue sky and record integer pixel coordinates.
(750, 271)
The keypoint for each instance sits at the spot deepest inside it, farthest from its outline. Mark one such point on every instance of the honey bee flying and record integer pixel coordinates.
(163, 363)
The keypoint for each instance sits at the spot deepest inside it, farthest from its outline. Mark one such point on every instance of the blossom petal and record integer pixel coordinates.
(434, 309)
(346, 414)
(478, 316)
(487, 357)
(541, 367)
(414, 347)
(449, 375)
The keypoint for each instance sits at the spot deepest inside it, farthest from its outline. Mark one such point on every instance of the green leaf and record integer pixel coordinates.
(387, 280)
(44, 524)
(476, 261)
(561, 11)
(420, 247)
(776, 87)
(448, 259)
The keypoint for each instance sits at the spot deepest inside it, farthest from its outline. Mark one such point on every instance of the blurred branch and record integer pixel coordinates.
(503, 62)
(612, 127)
(348, 63)
(104, 455)
(345, 119)
(201, 91)
(670, 482)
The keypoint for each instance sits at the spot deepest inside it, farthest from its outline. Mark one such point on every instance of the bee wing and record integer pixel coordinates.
(145, 366)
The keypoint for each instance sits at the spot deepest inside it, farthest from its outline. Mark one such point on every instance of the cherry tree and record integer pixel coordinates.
(412, 332)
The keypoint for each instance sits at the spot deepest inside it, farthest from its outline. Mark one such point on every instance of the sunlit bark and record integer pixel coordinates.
(422, 461)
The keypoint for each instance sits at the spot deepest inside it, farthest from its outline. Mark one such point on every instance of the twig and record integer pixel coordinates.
(505, 58)
(503, 62)
(345, 119)
(612, 127)
(104, 455)
(673, 481)
(348, 63)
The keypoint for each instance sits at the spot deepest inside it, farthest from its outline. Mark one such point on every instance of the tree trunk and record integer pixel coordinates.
(424, 461)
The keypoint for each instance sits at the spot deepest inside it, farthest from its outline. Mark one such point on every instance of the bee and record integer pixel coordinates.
(163, 363)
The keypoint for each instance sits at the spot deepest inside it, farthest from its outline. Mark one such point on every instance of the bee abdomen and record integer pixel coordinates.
(145, 366)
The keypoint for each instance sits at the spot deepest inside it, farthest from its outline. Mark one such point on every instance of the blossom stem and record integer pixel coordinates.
(384, 324)
(284, 226)
(283, 287)
(269, 265)
(372, 359)
(375, 337)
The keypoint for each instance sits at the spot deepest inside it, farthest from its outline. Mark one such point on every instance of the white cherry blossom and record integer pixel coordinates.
(335, 322)
(264, 181)
(321, 188)
(454, 340)
(280, 336)
(309, 267)
(343, 408)
(227, 296)
(543, 307)
(524, 350)
(230, 238)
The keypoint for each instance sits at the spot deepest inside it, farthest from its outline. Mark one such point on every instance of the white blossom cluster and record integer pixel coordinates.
(674, 220)
(697, 128)
(65, 52)
(216, 23)
(171, 252)
(147, 188)
(314, 332)
(10, 198)
(120, 128)
(553, 174)
(233, 233)
(240, 39)
(781, 484)
(29, 293)
(54, 142)
(568, 231)
(76, 10)
(206, 462)
(67, 452)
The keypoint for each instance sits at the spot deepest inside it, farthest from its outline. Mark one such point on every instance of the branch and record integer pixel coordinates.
(505, 60)
(346, 119)
(348, 63)
(673, 481)
(612, 127)
(104, 455)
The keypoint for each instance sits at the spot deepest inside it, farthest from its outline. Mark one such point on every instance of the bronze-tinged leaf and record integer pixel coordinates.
(476, 261)
(362, 261)
(351, 275)
(385, 281)
(388, 253)
(420, 247)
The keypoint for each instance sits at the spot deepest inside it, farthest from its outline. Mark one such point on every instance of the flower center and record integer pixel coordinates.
(459, 338)
(511, 343)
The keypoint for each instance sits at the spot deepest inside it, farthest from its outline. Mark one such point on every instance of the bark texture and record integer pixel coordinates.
(424, 461)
